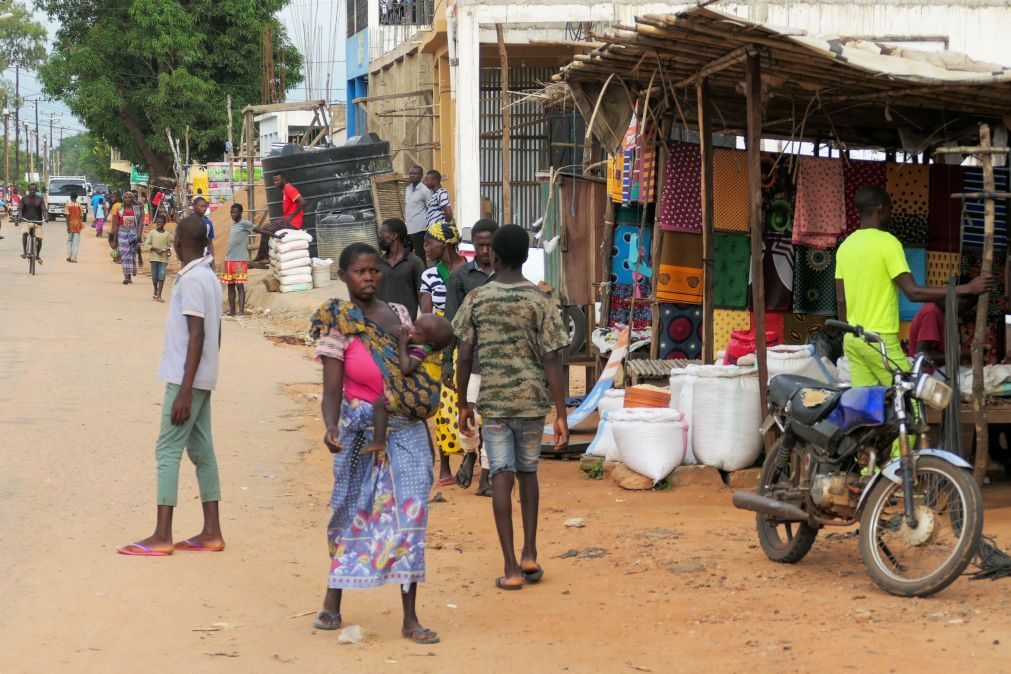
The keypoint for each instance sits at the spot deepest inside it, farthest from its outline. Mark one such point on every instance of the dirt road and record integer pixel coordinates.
(662, 582)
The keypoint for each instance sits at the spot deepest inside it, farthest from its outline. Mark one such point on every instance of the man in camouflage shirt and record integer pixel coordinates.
(521, 336)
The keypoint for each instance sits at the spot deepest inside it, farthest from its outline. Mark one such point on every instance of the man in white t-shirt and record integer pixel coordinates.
(416, 209)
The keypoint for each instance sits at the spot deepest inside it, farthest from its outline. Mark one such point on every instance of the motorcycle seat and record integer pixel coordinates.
(810, 400)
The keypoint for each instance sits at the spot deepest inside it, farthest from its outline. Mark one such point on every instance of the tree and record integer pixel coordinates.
(129, 69)
(84, 155)
(22, 40)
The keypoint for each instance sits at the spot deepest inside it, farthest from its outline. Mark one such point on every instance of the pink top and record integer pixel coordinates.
(362, 378)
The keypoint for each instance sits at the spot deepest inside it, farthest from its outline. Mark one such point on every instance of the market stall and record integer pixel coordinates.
(736, 148)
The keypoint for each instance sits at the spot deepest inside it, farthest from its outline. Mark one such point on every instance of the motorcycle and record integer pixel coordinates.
(920, 512)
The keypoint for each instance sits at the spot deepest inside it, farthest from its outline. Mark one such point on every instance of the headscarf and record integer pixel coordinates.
(444, 232)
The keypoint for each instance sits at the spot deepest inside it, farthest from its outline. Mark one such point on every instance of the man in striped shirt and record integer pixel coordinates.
(439, 209)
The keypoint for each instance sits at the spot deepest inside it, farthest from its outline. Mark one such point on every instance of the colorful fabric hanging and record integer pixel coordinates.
(909, 187)
(681, 198)
(679, 277)
(814, 281)
(778, 197)
(726, 321)
(621, 306)
(731, 210)
(623, 255)
(941, 267)
(916, 258)
(615, 163)
(973, 220)
(798, 328)
(777, 269)
(945, 213)
(820, 213)
(856, 174)
(732, 262)
(646, 164)
(991, 353)
(971, 266)
(680, 331)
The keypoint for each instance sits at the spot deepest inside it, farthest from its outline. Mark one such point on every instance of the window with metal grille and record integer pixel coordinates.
(406, 12)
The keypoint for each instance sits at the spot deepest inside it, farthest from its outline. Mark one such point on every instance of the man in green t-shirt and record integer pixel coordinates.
(520, 334)
(870, 270)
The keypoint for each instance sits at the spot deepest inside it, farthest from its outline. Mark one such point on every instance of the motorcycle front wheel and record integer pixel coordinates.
(920, 561)
(783, 542)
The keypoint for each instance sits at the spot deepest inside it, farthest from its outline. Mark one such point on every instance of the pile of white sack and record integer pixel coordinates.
(290, 261)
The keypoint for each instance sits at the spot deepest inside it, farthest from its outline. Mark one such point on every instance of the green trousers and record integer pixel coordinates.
(866, 366)
(195, 437)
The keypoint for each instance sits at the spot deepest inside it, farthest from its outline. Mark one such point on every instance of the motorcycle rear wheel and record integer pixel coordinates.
(947, 499)
(782, 542)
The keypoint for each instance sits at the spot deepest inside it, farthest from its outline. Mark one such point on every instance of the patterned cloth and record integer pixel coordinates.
(992, 354)
(731, 267)
(820, 213)
(972, 264)
(620, 311)
(779, 196)
(127, 242)
(814, 282)
(679, 277)
(447, 422)
(681, 199)
(777, 270)
(624, 236)
(945, 215)
(680, 331)
(515, 324)
(973, 221)
(941, 267)
(725, 322)
(798, 328)
(376, 534)
(909, 187)
(233, 272)
(856, 174)
(916, 258)
(731, 209)
(415, 395)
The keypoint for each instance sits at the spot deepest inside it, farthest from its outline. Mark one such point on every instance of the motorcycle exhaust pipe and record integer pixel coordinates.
(784, 512)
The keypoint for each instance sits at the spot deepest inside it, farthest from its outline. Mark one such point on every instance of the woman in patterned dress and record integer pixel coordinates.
(127, 229)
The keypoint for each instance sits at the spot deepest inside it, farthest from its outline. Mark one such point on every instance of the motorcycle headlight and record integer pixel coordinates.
(934, 392)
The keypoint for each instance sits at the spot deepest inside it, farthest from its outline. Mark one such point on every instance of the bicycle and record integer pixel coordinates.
(33, 245)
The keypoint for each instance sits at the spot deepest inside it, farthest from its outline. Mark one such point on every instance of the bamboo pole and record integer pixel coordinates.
(661, 148)
(982, 304)
(753, 89)
(708, 235)
(507, 120)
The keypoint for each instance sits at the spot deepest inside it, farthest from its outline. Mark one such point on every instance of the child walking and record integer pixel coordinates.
(75, 223)
(159, 245)
(189, 367)
(100, 207)
(520, 334)
(235, 270)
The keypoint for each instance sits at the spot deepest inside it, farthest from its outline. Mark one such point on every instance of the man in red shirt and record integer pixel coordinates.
(926, 334)
(292, 210)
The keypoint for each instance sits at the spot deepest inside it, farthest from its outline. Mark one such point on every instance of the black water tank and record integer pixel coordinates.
(340, 174)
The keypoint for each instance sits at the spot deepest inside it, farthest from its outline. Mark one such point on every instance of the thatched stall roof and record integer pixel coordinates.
(853, 92)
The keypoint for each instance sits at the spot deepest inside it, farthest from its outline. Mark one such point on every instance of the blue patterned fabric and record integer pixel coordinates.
(380, 508)
(624, 235)
(972, 220)
(917, 260)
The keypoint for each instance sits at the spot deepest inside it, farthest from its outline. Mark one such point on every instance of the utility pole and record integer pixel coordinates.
(28, 151)
(7, 163)
(49, 164)
(45, 160)
(37, 130)
(231, 153)
(17, 123)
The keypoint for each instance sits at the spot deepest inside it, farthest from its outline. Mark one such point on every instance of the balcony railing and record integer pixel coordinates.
(399, 22)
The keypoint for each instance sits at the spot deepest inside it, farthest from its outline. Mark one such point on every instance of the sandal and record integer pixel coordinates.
(335, 621)
(502, 585)
(446, 481)
(485, 492)
(421, 635)
(465, 475)
(533, 576)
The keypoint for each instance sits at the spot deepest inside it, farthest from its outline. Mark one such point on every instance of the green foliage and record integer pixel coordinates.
(129, 69)
(84, 155)
(22, 40)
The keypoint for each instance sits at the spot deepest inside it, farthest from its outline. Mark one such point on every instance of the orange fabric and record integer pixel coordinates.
(680, 270)
(731, 209)
(75, 222)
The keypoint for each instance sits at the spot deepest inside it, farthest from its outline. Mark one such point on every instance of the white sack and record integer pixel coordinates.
(298, 287)
(289, 246)
(295, 263)
(650, 441)
(291, 255)
(612, 401)
(789, 359)
(294, 279)
(603, 443)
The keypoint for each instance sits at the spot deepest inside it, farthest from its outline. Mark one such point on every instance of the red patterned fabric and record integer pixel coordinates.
(820, 213)
(681, 197)
(856, 174)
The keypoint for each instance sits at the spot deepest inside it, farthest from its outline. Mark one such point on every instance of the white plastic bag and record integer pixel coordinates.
(288, 246)
(789, 359)
(293, 235)
(612, 401)
(603, 443)
(316, 262)
(295, 263)
(724, 412)
(842, 367)
(650, 441)
(291, 255)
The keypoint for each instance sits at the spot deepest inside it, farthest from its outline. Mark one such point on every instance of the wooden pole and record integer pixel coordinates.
(7, 157)
(753, 89)
(231, 153)
(708, 240)
(250, 150)
(661, 148)
(982, 304)
(187, 136)
(507, 120)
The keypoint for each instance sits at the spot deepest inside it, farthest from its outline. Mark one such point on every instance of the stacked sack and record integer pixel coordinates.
(290, 261)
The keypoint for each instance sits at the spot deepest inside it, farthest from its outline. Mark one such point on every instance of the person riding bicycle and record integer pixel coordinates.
(32, 212)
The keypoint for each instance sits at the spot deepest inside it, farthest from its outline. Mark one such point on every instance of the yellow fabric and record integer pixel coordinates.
(731, 208)
(866, 367)
(725, 322)
(941, 267)
(867, 262)
(614, 179)
(904, 328)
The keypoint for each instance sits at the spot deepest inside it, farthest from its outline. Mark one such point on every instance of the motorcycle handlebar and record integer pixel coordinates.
(840, 325)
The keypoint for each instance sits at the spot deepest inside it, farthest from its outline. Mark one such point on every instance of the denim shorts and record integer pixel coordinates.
(513, 445)
(158, 270)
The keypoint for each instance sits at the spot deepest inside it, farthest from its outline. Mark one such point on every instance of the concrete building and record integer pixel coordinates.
(433, 90)
(290, 126)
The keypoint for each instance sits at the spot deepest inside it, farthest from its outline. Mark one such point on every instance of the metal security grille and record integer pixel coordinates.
(529, 143)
